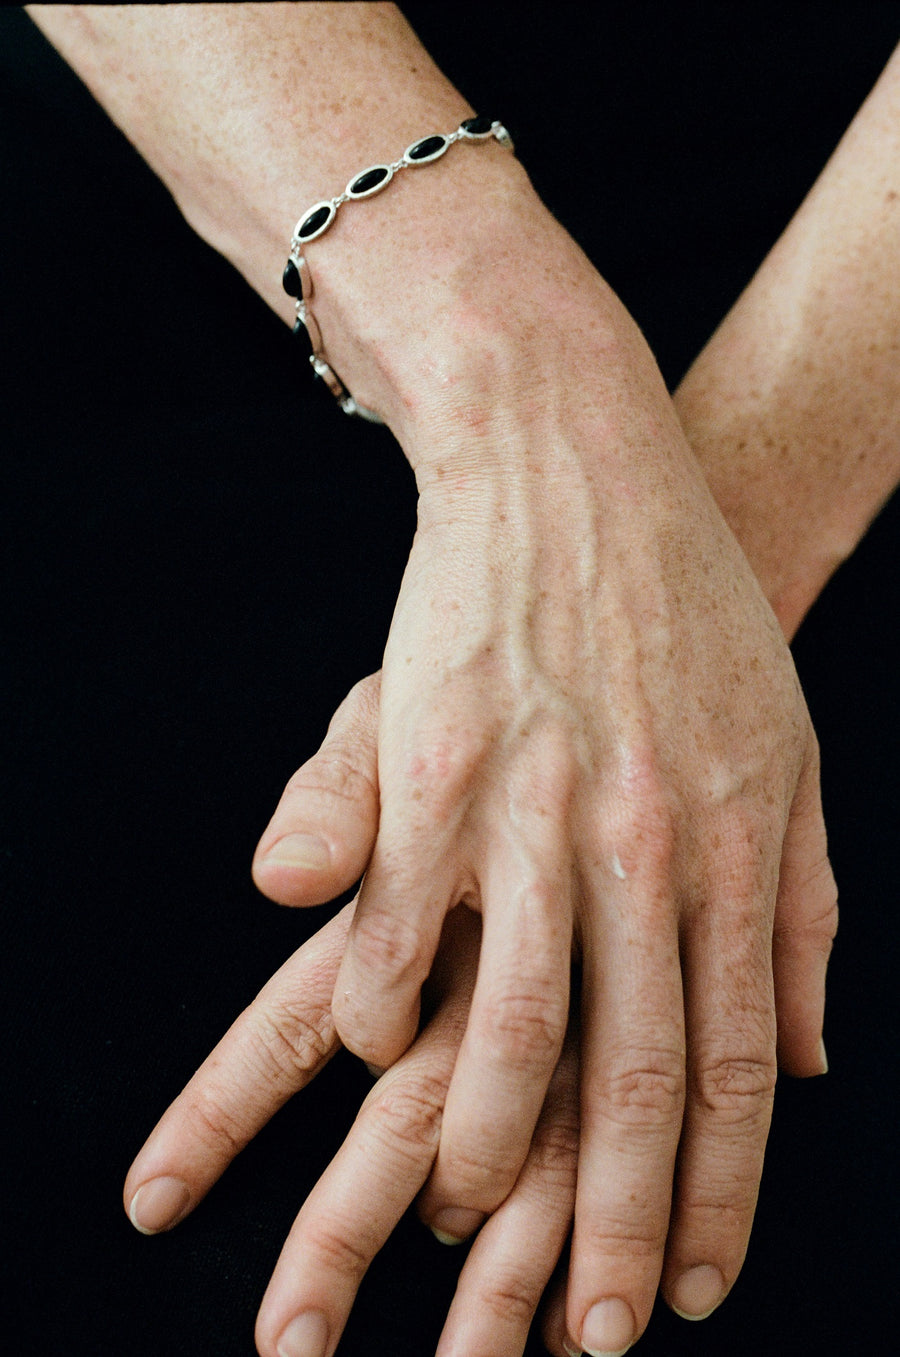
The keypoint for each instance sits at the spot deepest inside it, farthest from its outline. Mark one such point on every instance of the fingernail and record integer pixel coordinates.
(376, 1071)
(571, 1348)
(455, 1224)
(823, 1058)
(299, 850)
(698, 1292)
(159, 1204)
(608, 1328)
(305, 1336)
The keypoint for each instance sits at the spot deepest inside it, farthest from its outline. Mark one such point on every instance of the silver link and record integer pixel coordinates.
(317, 358)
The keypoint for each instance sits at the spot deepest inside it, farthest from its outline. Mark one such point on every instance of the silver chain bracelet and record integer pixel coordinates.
(296, 279)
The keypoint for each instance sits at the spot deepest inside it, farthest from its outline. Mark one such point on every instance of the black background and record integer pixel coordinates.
(200, 556)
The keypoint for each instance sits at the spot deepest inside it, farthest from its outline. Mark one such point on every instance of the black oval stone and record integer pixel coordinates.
(477, 127)
(369, 179)
(290, 279)
(301, 334)
(426, 148)
(315, 221)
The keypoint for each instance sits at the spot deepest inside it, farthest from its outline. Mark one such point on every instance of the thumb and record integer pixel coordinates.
(321, 836)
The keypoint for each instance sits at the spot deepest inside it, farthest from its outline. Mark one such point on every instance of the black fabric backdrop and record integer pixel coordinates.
(200, 556)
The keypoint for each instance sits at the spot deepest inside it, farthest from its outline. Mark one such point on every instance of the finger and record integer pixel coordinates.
(516, 1251)
(519, 1013)
(372, 1180)
(632, 1088)
(730, 1015)
(806, 918)
(321, 836)
(277, 1046)
(414, 878)
(402, 906)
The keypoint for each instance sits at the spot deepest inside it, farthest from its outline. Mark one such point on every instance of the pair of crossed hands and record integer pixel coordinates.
(587, 755)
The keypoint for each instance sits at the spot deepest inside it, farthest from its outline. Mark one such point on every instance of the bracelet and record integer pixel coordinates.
(296, 279)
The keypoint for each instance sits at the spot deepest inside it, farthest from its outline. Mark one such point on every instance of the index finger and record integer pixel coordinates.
(276, 1047)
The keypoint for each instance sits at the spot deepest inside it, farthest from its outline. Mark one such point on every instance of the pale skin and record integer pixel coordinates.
(626, 764)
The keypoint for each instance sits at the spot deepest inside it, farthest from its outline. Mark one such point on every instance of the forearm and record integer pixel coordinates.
(251, 113)
(793, 408)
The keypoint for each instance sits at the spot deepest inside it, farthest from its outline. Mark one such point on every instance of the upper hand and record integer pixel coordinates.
(591, 730)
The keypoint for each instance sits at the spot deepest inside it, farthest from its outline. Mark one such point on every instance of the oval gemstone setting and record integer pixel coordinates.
(429, 148)
(317, 220)
(290, 279)
(478, 127)
(370, 181)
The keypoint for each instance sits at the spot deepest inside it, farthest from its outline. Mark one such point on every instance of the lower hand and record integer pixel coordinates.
(274, 1049)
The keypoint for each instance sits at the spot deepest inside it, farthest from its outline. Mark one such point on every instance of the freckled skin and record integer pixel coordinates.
(793, 408)
(582, 670)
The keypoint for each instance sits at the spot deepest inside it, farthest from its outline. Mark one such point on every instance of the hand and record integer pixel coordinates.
(799, 951)
(274, 1049)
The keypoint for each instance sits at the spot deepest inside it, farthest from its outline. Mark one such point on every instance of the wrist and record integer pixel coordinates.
(419, 290)
(455, 303)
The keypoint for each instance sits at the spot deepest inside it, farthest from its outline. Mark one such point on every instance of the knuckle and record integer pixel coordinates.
(337, 1250)
(643, 827)
(477, 1175)
(389, 944)
(288, 1043)
(816, 934)
(554, 1152)
(822, 929)
(214, 1125)
(816, 923)
(511, 1297)
(726, 1205)
(333, 772)
(546, 771)
(744, 851)
(524, 1029)
(629, 1232)
(407, 1119)
(648, 1091)
(737, 1089)
(441, 771)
